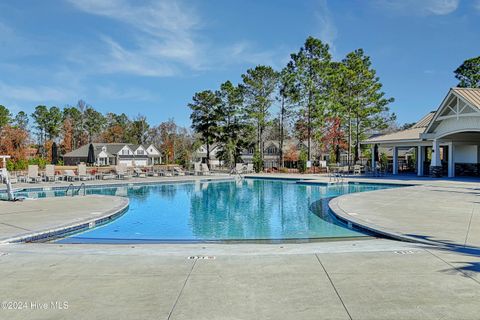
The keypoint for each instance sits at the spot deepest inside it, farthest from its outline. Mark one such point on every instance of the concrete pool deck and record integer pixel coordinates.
(23, 220)
(366, 279)
(356, 279)
(439, 215)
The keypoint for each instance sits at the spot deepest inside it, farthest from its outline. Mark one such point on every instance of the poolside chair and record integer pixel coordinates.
(239, 168)
(357, 169)
(121, 172)
(151, 172)
(249, 168)
(205, 170)
(139, 173)
(69, 175)
(178, 171)
(50, 173)
(33, 175)
(83, 174)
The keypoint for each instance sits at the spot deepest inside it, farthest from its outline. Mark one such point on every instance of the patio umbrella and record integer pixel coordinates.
(54, 153)
(337, 153)
(91, 155)
(375, 153)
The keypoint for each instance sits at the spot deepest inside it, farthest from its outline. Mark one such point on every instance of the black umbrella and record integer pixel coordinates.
(91, 154)
(337, 153)
(54, 153)
(375, 153)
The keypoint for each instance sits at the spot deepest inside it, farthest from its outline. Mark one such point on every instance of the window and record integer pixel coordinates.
(124, 152)
(271, 150)
(139, 151)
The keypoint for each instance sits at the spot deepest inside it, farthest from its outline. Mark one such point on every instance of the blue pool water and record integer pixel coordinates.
(250, 209)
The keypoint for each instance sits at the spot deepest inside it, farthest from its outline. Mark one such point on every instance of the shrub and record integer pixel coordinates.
(302, 161)
(257, 161)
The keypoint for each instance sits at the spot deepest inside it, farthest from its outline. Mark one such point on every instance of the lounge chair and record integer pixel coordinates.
(239, 168)
(50, 173)
(205, 170)
(249, 168)
(83, 174)
(139, 173)
(121, 172)
(178, 171)
(151, 172)
(69, 175)
(357, 169)
(33, 175)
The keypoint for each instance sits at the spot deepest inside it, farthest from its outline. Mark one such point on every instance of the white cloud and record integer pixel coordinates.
(35, 93)
(165, 34)
(326, 26)
(422, 7)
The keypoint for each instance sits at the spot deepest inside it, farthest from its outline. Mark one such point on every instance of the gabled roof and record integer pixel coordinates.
(470, 95)
(409, 134)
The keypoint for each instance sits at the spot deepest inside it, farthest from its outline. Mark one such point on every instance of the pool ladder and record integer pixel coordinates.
(77, 191)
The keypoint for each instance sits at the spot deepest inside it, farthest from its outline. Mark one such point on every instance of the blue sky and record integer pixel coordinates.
(150, 57)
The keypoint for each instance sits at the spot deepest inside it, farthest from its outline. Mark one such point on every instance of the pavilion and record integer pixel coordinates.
(446, 141)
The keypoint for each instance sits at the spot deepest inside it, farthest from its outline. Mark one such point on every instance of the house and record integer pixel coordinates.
(271, 153)
(116, 153)
(446, 141)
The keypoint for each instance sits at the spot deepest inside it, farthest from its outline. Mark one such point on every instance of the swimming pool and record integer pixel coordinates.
(247, 209)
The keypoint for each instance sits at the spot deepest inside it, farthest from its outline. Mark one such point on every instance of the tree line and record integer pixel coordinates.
(324, 103)
(327, 105)
(80, 124)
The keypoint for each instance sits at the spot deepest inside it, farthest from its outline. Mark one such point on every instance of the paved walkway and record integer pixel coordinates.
(22, 218)
(444, 215)
(369, 279)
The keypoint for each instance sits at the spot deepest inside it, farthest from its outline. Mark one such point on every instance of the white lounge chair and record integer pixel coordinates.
(50, 173)
(239, 168)
(69, 175)
(121, 172)
(249, 168)
(139, 173)
(178, 171)
(83, 174)
(33, 175)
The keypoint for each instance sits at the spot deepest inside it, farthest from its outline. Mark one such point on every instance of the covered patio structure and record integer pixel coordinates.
(446, 141)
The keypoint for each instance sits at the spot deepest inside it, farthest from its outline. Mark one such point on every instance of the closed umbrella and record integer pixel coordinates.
(337, 153)
(356, 153)
(91, 154)
(375, 153)
(54, 153)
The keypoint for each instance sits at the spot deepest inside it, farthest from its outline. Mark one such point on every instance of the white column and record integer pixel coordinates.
(435, 154)
(395, 160)
(420, 159)
(451, 160)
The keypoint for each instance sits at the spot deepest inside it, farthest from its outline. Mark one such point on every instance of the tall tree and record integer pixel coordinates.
(204, 117)
(310, 66)
(40, 117)
(258, 87)
(73, 124)
(288, 94)
(364, 102)
(468, 73)
(54, 123)
(93, 123)
(232, 127)
(138, 130)
(21, 120)
(5, 116)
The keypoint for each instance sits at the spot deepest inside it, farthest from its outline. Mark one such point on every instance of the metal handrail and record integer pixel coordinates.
(84, 189)
(68, 188)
